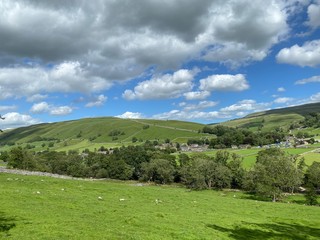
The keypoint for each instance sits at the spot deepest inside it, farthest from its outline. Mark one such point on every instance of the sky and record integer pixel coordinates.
(203, 61)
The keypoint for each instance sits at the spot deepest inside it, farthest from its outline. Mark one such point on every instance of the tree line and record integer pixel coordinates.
(228, 136)
(274, 172)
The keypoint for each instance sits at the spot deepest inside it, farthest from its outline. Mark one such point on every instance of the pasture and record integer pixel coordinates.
(37, 207)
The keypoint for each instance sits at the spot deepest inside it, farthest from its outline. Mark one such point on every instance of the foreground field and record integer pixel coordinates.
(49, 208)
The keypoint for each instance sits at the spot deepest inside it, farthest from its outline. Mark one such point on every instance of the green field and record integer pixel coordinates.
(49, 208)
(268, 120)
(249, 155)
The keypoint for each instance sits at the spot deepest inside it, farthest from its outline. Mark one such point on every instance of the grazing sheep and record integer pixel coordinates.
(100, 198)
(121, 199)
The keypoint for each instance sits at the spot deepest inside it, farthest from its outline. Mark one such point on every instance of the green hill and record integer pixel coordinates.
(271, 119)
(94, 132)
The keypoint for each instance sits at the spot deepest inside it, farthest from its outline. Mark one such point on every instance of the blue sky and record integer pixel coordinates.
(204, 61)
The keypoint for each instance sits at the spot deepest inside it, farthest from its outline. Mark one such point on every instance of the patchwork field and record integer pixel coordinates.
(34, 207)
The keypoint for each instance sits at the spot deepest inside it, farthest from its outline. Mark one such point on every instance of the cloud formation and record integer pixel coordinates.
(97, 101)
(247, 105)
(224, 82)
(306, 55)
(314, 15)
(131, 115)
(100, 43)
(197, 95)
(282, 100)
(15, 120)
(44, 107)
(163, 87)
(80, 49)
(31, 82)
(313, 79)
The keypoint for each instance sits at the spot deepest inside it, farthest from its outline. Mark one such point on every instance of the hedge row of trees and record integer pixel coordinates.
(228, 136)
(274, 172)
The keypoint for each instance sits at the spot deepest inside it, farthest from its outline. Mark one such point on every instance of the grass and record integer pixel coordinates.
(311, 157)
(93, 133)
(271, 119)
(48, 208)
(249, 155)
(266, 122)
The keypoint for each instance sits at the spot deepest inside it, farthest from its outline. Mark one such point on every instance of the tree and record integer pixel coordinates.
(273, 173)
(313, 175)
(119, 169)
(158, 170)
(204, 172)
(311, 195)
(237, 171)
(21, 158)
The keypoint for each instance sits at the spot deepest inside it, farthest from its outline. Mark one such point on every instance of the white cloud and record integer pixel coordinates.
(234, 54)
(62, 110)
(15, 120)
(315, 97)
(192, 111)
(283, 100)
(248, 105)
(65, 77)
(41, 107)
(224, 82)
(281, 89)
(248, 31)
(98, 101)
(306, 55)
(191, 115)
(198, 95)
(200, 105)
(163, 87)
(118, 40)
(308, 80)
(44, 107)
(7, 108)
(36, 97)
(131, 115)
(314, 15)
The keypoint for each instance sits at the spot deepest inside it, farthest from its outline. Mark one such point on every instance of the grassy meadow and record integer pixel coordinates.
(34, 207)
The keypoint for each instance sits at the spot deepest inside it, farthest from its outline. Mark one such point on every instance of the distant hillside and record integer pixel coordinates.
(271, 119)
(95, 132)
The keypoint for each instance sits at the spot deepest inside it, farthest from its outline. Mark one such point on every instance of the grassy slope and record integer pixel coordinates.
(249, 155)
(76, 134)
(77, 213)
(274, 118)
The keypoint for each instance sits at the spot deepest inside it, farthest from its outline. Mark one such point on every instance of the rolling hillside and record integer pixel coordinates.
(94, 132)
(271, 119)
